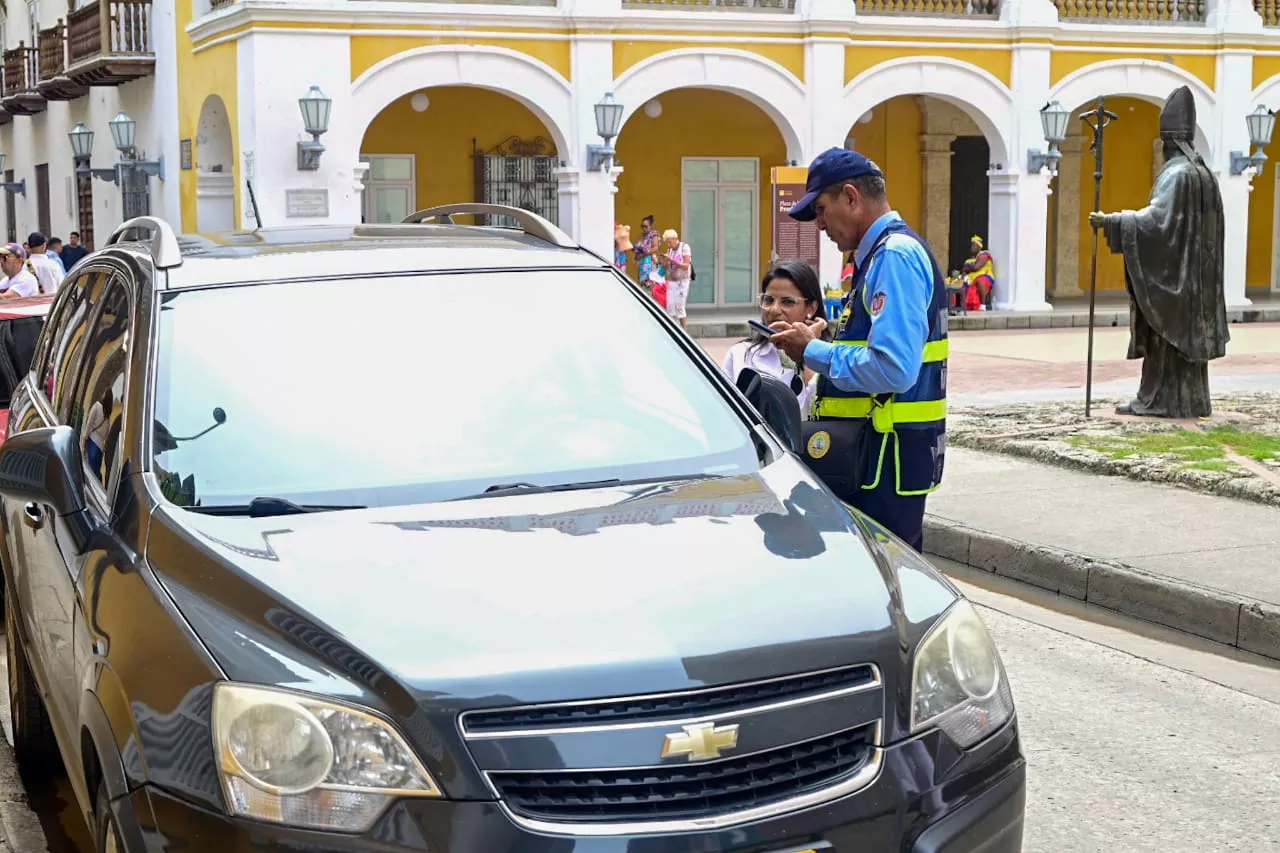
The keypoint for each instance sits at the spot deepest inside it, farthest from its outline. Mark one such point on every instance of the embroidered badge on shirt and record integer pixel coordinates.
(877, 303)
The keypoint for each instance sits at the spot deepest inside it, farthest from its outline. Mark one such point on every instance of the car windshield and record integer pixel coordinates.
(420, 388)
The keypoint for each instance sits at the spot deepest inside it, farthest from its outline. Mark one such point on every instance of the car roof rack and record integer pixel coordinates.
(530, 223)
(159, 237)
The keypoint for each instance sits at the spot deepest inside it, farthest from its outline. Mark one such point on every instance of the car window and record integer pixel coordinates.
(98, 413)
(64, 345)
(398, 391)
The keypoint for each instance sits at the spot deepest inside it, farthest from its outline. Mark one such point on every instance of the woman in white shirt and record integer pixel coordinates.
(790, 291)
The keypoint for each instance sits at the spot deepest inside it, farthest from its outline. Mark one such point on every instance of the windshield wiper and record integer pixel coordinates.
(533, 489)
(265, 507)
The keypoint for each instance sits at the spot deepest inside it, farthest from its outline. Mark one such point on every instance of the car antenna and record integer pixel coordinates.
(253, 201)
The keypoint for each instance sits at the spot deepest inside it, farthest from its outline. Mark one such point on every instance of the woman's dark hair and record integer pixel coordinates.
(804, 277)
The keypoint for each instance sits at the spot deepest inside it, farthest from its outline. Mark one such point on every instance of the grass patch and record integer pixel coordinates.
(1205, 449)
(1220, 465)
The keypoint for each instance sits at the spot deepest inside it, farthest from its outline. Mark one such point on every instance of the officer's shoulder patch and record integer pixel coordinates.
(877, 303)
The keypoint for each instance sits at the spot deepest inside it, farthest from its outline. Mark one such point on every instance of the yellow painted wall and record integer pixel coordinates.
(892, 140)
(441, 138)
(367, 51)
(1126, 181)
(1264, 68)
(1062, 63)
(694, 123)
(789, 54)
(998, 59)
(210, 72)
(1262, 221)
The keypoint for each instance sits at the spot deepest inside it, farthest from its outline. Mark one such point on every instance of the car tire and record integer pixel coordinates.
(107, 837)
(33, 742)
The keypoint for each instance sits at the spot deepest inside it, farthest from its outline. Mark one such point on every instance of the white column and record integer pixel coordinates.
(274, 72)
(828, 126)
(587, 213)
(1019, 199)
(1235, 83)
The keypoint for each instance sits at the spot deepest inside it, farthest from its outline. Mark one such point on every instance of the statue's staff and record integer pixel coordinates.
(1097, 119)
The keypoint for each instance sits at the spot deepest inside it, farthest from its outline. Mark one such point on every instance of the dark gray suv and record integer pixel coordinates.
(440, 537)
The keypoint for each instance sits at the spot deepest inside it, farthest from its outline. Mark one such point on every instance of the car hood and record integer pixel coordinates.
(545, 596)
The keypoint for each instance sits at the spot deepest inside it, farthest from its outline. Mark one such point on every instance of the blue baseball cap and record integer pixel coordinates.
(830, 167)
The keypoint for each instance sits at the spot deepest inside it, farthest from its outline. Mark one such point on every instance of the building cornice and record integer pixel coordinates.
(519, 21)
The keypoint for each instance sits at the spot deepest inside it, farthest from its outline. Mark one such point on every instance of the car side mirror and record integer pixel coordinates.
(44, 466)
(776, 402)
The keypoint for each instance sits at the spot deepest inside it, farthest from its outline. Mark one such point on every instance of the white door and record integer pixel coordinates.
(721, 224)
(390, 188)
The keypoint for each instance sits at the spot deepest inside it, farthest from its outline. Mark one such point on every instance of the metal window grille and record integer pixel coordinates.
(519, 173)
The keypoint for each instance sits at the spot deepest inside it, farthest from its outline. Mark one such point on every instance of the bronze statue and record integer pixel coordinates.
(1173, 271)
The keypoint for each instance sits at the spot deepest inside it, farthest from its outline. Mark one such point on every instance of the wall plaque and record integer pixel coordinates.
(303, 204)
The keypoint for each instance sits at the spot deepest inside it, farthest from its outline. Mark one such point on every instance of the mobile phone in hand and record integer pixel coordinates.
(762, 328)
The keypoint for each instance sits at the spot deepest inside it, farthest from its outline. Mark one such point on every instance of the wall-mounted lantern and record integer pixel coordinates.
(1262, 124)
(1053, 121)
(315, 106)
(81, 139)
(19, 187)
(608, 123)
(123, 129)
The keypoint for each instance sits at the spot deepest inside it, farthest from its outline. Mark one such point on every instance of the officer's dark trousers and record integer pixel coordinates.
(903, 516)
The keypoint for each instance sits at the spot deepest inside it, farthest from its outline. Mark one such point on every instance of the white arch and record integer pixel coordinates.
(215, 168)
(978, 92)
(769, 86)
(1146, 79)
(528, 80)
(1268, 93)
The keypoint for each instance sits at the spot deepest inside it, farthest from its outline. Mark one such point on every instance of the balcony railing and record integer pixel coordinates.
(109, 42)
(21, 74)
(1269, 10)
(940, 8)
(54, 83)
(765, 5)
(1138, 11)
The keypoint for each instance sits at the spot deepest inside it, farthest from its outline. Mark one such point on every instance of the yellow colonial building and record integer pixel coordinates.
(431, 103)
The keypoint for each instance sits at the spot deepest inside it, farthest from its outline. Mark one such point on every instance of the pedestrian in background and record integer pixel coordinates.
(878, 437)
(678, 261)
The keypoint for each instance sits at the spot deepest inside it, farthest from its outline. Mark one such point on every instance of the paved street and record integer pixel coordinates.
(1134, 743)
(1017, 366)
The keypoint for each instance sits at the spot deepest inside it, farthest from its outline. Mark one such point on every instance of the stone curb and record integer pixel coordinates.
(1252, 489)
(983, 320)
(1233, 620)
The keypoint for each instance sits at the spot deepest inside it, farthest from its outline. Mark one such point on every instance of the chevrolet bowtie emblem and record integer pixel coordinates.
(700, 742)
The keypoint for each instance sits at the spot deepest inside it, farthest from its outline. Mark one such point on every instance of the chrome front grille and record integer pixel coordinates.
(691, 791)
(670, 706)
(613, 766)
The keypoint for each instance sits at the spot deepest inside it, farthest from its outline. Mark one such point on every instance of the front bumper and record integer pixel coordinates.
(974, 806)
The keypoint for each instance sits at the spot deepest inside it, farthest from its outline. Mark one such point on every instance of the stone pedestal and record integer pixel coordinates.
(1067, 200)
(935, 154)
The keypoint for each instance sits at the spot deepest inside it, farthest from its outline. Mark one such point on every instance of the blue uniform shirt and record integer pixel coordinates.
(900, 282)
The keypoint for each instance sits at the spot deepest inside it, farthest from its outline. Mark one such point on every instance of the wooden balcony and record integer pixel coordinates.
(109, 42)
(21, 74)
(54, 83)
(1135, 11)
(931, 8)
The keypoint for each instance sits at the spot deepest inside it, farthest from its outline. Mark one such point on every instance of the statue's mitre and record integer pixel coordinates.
(1178, 118)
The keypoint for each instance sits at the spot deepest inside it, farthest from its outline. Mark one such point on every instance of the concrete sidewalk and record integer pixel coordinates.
(1206, 565)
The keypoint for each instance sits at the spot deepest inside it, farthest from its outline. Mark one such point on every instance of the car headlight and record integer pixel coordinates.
(310, 762)
(958, 681)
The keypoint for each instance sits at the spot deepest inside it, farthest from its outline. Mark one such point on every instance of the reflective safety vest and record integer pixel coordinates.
(915, 420)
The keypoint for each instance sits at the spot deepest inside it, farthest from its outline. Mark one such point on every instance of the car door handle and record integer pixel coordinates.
(33, 516)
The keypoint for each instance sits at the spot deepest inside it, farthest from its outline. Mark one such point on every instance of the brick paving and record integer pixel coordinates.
(976, 373)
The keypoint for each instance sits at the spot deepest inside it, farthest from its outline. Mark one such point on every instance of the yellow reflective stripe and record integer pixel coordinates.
(933, 350)
(919, 412)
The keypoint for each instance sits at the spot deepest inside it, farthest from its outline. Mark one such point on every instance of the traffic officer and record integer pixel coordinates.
(887, 364)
